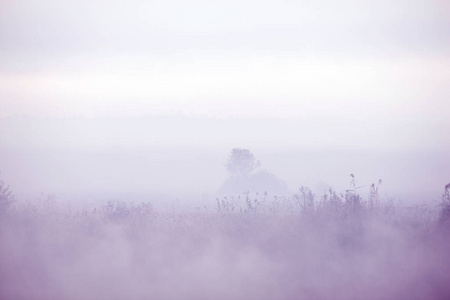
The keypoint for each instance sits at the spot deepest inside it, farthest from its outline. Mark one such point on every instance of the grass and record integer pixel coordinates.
(248, 246)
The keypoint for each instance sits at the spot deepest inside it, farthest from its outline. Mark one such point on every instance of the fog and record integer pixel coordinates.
(252, 247)
(184, 157)
(103, 98)
(224, 150)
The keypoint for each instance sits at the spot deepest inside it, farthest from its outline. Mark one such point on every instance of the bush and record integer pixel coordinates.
(445, 205)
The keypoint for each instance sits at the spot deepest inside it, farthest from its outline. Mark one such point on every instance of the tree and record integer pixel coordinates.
(6, 197)
(241, 162)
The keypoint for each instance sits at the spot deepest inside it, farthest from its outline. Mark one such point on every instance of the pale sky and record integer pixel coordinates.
(224, 59)
(281, 75)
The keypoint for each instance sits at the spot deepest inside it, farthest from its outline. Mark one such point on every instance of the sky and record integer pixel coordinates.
(283, 78)
(225, 59)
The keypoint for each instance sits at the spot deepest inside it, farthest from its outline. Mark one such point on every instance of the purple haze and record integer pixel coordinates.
(244, 247)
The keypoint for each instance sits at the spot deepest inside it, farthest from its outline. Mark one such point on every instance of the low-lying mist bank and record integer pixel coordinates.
(242, 247)
(176, 155)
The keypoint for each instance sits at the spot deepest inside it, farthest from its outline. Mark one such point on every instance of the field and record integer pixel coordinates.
(249, 246)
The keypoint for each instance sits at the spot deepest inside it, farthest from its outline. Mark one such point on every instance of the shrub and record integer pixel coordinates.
(445, 205)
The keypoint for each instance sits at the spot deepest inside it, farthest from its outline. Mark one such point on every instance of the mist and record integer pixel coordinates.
(224, 150)
(184, 157)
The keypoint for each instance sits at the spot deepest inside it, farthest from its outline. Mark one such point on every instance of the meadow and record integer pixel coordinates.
(247, 246)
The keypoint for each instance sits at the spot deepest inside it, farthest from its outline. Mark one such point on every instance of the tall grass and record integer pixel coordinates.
(248, 246)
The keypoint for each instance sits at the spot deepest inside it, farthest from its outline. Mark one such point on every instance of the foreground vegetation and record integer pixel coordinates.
(249, 246)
